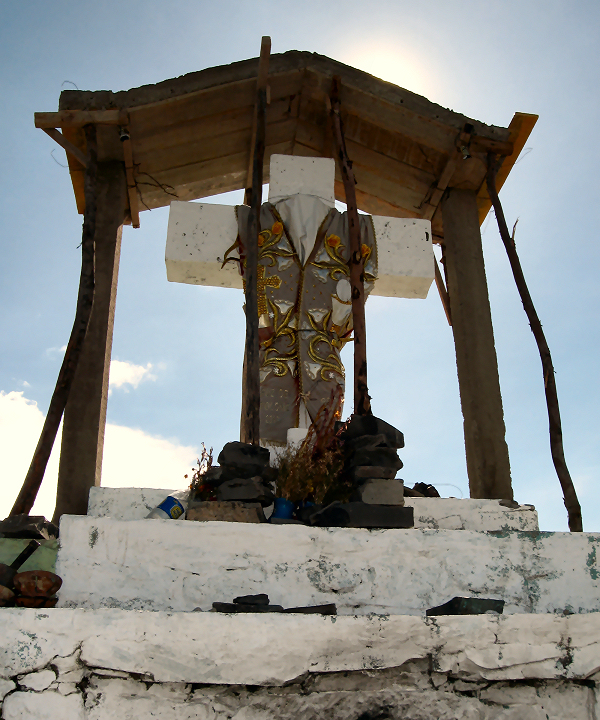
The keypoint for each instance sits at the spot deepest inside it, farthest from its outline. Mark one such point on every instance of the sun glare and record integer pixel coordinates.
(395, 65)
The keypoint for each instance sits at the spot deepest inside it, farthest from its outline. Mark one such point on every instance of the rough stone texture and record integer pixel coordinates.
(37, 681)
(255, 667)
(47, 705)
(435, 513)
(275, 649)
(145, 565)
(6, 686)
(230, 512)
(471, 514)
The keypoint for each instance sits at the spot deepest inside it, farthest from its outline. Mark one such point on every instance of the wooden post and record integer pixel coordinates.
(362, 399)
(251, 380)
(66, 375)
(487, 453)
(85, 414)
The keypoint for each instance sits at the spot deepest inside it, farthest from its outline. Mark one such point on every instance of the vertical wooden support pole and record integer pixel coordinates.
(85, 414)
(250, 382)
(487, 453)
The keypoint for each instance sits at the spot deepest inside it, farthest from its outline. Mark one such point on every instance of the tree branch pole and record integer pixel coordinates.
(251, 380)
(85, 299)
(362, 399)
(556, 439)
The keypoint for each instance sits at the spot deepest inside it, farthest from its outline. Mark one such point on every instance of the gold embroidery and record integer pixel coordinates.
(330, 362)
(261, 288)
(337, 266)
(277, 359)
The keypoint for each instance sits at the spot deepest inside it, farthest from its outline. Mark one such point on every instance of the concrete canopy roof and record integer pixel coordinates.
(190, 137)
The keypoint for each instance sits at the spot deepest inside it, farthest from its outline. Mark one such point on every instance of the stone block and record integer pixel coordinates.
(246, 490)
(382, 492)
(377, 457)
(37, 681)
(48, 705)
(242, 459)
(364, 472)
(363, 515)
(231, 512)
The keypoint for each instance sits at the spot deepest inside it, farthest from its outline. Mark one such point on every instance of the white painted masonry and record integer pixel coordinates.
(434, 513)
(145, 564)
(478, 667)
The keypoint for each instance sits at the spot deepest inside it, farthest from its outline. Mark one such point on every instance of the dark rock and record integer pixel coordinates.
(410, 492)
(370, 472)
(284, 521)
(28, 526)
(467, 606)
(329, 609)
(360, 425)
(213, 476)
(243, 459)
(369, 442)
(260, 599)
(380, 457)
(248, 608)
(305, 514)
(269, 474)
(362, 515)
(426, 490)
(245, 490)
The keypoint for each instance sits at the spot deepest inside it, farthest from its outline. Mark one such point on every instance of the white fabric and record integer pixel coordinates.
(302, 215)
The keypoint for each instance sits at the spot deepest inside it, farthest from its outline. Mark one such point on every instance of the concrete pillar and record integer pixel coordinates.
(487, 453)
(85, 415)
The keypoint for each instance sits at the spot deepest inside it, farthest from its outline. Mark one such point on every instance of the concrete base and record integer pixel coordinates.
(144, 564)
(109, 664)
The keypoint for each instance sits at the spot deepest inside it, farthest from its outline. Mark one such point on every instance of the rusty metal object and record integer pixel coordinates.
(7, 596)
(37, 583)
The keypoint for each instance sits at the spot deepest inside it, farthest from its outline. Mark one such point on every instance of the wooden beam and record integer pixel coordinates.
(261, 84)
(520, 129)
(431, 205)
(444, 297)
(78, 118)
(68, 146)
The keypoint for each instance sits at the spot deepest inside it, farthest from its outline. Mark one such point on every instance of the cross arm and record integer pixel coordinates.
(198, 236)
(404, 257)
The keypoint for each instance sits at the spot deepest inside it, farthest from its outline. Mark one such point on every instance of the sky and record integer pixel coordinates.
(177, 350)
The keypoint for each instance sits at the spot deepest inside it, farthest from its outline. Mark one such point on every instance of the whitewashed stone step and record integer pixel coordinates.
(435, 513)
(172, 565)
(275, 649)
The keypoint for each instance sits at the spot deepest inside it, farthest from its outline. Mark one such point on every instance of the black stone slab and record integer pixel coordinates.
(329, 609)
(380, 457)
(243, 459)
(239, 608)
(363, 515)
(467, 606)
(260, 599)
(371, 472)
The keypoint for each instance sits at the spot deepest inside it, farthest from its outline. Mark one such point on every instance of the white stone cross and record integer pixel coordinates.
(302, 191)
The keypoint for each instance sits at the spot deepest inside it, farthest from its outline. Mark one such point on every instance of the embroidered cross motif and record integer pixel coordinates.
(261, 288)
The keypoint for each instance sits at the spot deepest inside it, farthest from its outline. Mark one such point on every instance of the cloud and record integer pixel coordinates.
(126, 373)
(53, 351)
(132, 458)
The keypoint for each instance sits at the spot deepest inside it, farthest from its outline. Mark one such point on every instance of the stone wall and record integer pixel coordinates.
(109, 664)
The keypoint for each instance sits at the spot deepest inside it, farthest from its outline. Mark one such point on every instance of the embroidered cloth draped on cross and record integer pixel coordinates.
(305, 313)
